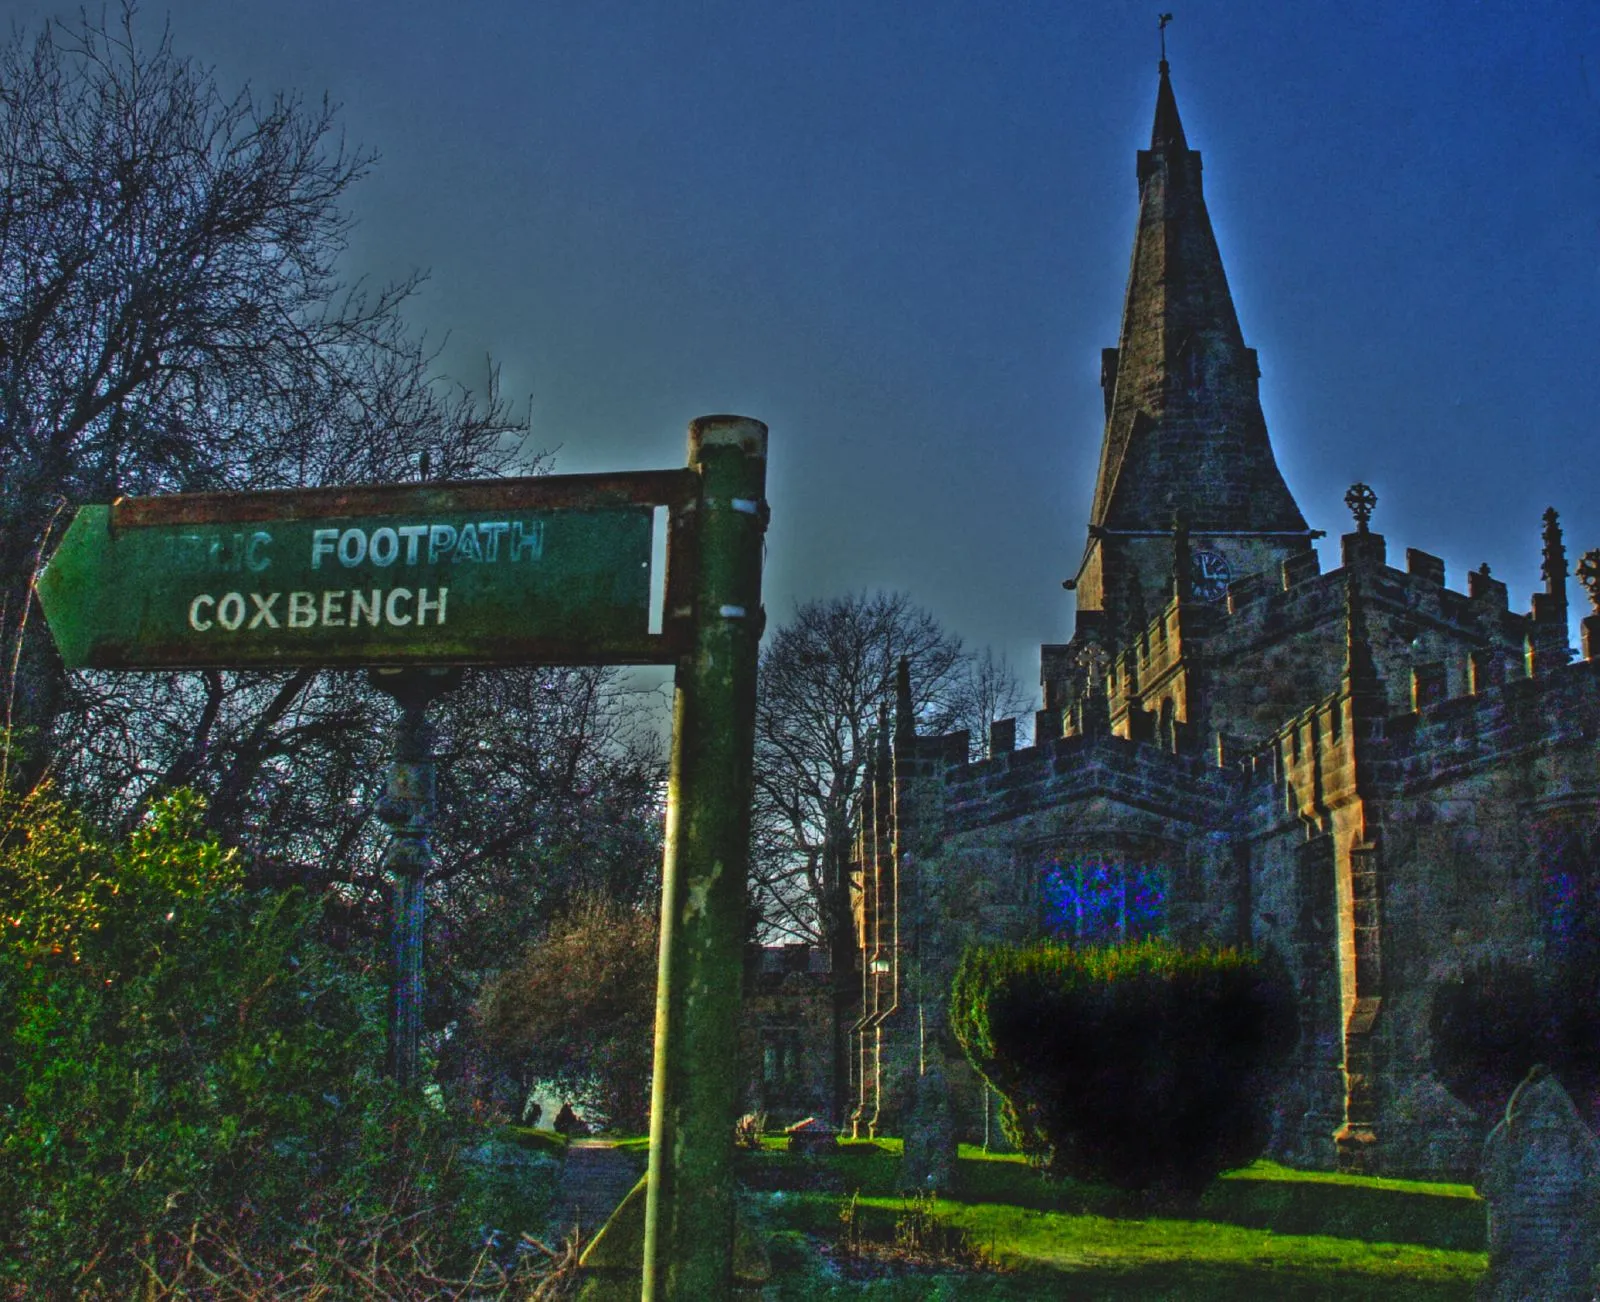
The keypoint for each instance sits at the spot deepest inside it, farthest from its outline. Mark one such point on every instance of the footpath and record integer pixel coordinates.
(598, 1177)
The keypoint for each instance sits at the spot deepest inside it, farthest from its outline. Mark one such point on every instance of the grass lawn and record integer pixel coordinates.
(1263, 1232)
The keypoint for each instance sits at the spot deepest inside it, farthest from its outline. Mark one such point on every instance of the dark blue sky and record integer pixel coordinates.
(899, 234)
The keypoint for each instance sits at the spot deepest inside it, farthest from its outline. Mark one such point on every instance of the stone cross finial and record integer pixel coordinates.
(1094, 662)
(1361, 499)
(1589, 576)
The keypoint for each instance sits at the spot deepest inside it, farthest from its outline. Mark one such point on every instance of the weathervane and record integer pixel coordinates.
(1361, 499)
(1161, 26)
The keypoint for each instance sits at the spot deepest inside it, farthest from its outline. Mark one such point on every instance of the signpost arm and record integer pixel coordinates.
(407, 807)
(688, 1245)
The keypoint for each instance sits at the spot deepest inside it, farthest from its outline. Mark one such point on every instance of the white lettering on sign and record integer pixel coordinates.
(474, 543)
(264, 607)
(336, 608)
(226, 553)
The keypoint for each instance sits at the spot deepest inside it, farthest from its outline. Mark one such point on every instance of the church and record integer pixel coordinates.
(1384, 773)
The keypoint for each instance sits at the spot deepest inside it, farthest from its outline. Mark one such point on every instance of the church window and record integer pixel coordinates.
(1095, 901)
(1570, 882)
(1427, 686)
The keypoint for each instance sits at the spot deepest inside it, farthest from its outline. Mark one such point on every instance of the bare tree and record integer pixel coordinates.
(990, 692)
(171, 318)
(827, 678)
(824, 675)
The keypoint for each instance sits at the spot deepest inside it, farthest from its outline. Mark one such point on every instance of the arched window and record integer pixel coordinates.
(1090, 900)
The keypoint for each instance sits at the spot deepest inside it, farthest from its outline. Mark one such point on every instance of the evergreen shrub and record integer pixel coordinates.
(1142, 1065)
(177, 1050)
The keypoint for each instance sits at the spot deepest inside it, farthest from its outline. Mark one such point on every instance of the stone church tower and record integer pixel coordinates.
(1383, 779)
(1185, 441)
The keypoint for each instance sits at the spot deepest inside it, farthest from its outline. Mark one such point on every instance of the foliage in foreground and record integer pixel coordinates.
(1143, 1065)
(183, 1067)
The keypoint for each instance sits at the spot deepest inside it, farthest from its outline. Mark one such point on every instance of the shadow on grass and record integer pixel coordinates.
(1251, 1201)
(1348, 1211)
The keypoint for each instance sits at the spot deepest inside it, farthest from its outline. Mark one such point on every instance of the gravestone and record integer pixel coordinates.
(812, 1136)
(929, 1161)
(1541, 1179)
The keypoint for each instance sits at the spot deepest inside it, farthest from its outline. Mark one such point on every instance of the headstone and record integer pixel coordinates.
(811, 1136)
(1541, 1179)
(928, 1163)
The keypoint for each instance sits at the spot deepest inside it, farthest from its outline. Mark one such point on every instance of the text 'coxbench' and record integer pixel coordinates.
(338, 608)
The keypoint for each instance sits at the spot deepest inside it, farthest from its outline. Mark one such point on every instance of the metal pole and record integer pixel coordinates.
(688, 1238)
(407, 807)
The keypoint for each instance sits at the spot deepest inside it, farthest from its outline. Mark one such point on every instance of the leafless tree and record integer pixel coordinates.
(826, 677)
(172, 318)
(991, 692)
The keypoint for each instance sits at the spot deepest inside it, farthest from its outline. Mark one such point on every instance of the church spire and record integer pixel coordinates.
(1184, 428)
(1168, 130)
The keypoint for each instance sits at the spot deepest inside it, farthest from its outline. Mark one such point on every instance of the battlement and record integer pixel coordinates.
(1038, 777)
(1247, 666)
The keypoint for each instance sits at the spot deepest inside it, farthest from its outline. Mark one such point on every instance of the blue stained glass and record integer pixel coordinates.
(1092, 901)
(1561, 903)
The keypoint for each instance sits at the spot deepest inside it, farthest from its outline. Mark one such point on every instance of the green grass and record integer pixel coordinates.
(1263, 1232)
(532, 1137)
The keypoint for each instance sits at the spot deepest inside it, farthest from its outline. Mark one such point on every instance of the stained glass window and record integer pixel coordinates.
(1094, 901)
(1571, 891)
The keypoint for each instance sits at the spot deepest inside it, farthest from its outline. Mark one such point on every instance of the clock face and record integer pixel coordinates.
(1210, 576)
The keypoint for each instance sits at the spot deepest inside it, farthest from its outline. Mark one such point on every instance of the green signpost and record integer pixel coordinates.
(654, 567)
(547, 570)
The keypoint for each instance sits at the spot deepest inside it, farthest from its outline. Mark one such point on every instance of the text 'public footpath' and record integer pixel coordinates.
(485, 542)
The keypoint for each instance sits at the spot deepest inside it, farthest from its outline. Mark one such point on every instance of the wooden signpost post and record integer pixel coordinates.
(656, 567)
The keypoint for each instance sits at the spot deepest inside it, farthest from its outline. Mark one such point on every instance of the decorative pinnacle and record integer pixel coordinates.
(1589, 576)
(1361, 499)
(1554, 569)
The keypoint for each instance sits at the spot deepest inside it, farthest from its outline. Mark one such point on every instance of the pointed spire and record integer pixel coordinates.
(1168, 131)
(1184, 425)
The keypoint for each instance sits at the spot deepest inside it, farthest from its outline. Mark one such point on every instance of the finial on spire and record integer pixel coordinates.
(1361, 499)
(1161, 26)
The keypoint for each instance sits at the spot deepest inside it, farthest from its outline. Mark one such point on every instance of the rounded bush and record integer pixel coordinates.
(1142, 1065)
